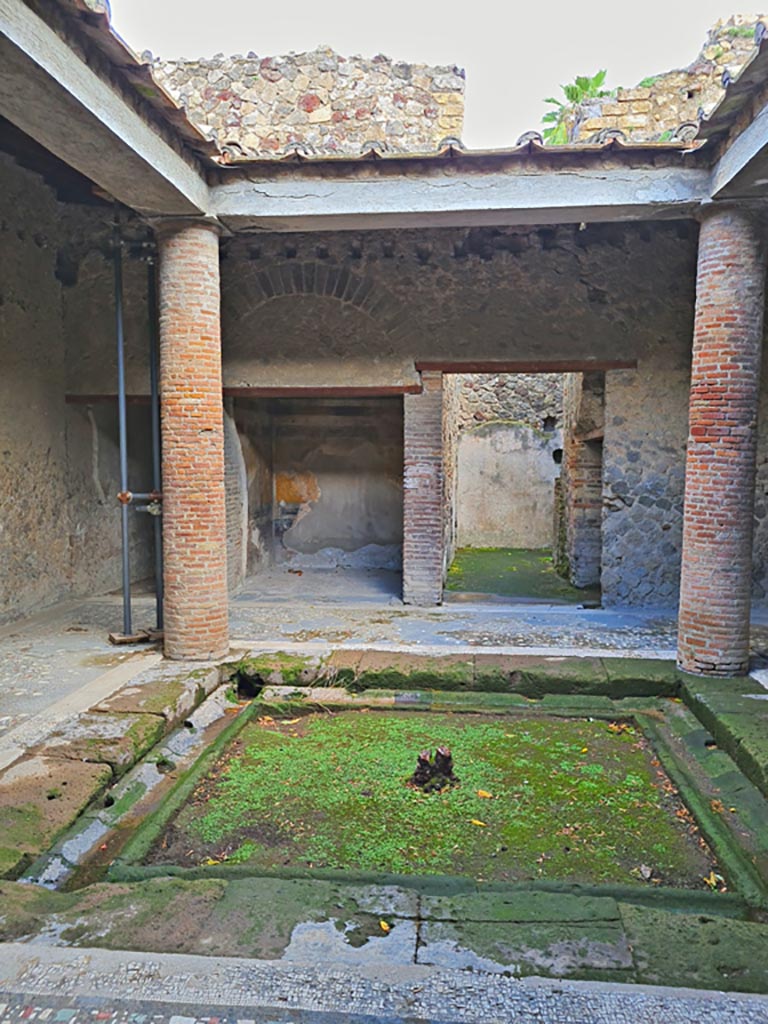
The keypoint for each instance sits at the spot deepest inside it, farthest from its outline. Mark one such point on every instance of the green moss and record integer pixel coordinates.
(25, 907)
(740, 32)
(513, 572)
(569, 800)
(406, 672)
(144, 733)
(280, 669)
(699, 950)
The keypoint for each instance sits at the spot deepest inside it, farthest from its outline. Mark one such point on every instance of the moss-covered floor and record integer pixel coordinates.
(516, 573)
(703, 940)
(538, 798)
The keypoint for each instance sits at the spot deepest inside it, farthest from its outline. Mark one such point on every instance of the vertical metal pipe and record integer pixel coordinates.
(157, 479)
(117, 255)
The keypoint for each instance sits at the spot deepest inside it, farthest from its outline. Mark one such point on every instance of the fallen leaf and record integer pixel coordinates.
(584, 750)
(717, 806)
(290, 721)
(484, 794)
(645, 872)
(211, 860)
(266, 720)
(480, 824)
(385, 927)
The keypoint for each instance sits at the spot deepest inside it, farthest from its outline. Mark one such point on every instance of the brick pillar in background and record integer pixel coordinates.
(423, 533)
(722, 435)
(194, 509)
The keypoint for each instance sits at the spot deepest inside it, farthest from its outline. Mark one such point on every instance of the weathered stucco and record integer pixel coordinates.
(59, 531)
(34, 542)
(338, 469)
(505, 486)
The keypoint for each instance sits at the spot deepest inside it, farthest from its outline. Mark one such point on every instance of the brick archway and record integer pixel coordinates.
(333, 281)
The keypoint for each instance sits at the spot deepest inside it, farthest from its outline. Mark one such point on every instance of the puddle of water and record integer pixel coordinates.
(332, 941)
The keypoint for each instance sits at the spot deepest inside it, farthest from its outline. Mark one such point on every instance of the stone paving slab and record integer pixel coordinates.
(519, 907)
(39, 797)
(81, 985)
(171, 691)
(118, 740)
(597, 950)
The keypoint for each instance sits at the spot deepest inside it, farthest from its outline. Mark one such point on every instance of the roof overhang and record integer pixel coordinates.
(463, 192)
(56, 99)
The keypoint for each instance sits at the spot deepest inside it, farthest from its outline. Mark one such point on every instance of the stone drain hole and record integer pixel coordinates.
(247, 687)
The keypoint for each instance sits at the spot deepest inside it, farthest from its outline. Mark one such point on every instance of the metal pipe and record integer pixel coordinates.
(157, 481)
(117, 256)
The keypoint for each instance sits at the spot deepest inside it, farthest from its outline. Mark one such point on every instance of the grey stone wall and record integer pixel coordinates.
(646, 420)
(91, 367)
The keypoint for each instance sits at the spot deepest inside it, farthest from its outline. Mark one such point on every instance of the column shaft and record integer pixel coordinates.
(194, 511)
(722, 436)
(423, 529)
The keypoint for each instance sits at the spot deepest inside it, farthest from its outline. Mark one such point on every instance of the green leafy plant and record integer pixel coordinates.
(564, 120)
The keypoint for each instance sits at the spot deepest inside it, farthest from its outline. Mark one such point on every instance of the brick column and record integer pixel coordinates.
(423, 534)
(720, 463)
(194, 510)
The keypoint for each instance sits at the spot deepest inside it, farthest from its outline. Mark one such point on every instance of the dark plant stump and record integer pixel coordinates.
(433, 775)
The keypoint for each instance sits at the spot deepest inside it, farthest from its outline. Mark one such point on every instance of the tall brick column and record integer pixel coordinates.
(194, 510)
(720, 464)
(423, 533)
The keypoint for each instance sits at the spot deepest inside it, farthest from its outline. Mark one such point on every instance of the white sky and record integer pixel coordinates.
(514, 53)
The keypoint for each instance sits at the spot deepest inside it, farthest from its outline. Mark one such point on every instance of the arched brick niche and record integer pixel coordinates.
(314, 324)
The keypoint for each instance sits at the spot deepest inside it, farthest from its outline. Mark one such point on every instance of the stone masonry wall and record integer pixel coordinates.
(319, 102)
(646, 427)
(669, 105)
(345, 308)
(535, 399)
